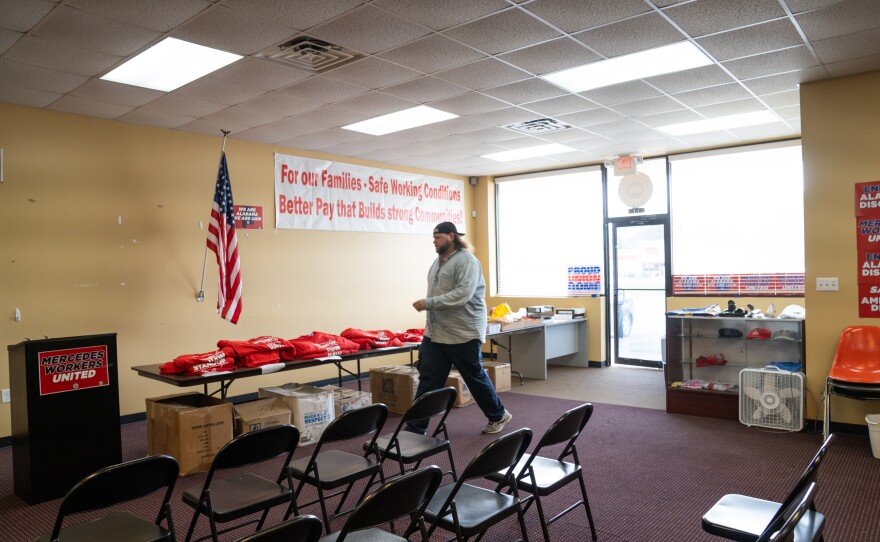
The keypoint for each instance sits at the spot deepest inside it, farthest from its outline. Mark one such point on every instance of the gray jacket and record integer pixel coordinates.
(456, 303)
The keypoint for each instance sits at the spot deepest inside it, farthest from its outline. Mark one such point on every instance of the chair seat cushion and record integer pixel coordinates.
(854, 390)
(413, 446)
(743, 518)
(366, 535)
(478, 508)
(240, 495)
(335, 468)
(114, 526)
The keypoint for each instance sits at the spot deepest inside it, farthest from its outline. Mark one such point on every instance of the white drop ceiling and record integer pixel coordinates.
(479, 59)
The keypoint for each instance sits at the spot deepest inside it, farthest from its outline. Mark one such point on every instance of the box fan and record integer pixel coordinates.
(771, 398)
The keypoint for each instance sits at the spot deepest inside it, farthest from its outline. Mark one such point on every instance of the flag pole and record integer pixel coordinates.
(201, 295)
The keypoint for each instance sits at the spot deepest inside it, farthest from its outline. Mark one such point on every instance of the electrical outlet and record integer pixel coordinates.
(5, 396)
(827, 284)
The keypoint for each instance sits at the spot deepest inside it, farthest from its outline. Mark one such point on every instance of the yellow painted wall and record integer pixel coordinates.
(841, 135)
(72, 270)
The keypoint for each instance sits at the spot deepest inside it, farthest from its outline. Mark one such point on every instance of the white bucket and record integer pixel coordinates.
(873, 421)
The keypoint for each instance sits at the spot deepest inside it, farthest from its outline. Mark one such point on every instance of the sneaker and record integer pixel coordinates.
(496, 427)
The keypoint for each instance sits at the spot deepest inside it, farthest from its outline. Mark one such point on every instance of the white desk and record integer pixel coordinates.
(557, 342)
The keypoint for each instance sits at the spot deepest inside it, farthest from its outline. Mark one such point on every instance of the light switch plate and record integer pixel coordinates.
(827, 284)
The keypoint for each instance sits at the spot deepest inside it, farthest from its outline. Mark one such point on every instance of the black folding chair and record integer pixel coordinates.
(406, 495)
(541, 476)
(242, 494)
(467, 510)
(114, 485)
(306, 528)
(743, 518)
(787, 525)
(330, 469)
(406, 447)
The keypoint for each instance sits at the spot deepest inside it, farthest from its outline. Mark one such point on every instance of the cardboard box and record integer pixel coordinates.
(395, 386)
(345, 399)
(259, 414)
(311, 408)
(522, 324)
(190, 427)
(499, 374)
(464, 397)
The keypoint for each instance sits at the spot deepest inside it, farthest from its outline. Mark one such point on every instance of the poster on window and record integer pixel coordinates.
(328, 195)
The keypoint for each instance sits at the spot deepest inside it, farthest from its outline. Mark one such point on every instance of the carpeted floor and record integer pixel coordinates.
(650, 475)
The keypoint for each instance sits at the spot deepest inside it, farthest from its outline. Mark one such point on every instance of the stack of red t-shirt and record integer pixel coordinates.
(199, 364)
(413, 335)
(380, 338)
(260, 350)
(318, 344)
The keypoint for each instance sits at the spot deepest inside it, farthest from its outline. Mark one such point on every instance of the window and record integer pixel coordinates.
(738, 221)
(550, 237)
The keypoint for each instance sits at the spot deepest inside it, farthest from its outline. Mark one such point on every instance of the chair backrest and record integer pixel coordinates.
(307, 528)
(356, 423)
(567, 428)
(501, 454)
(781, 528)
(434, 403)
(855, 359)
(120, 483)
(407, 495)
(807, 478)
(256, 446)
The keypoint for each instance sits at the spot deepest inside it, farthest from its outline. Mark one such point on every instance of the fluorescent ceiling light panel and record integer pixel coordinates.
(170, 64)
(719, 123)
(670, 58)
(401, 120)
(528, 152)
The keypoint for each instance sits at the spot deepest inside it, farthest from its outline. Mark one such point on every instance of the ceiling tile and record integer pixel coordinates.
(37, 78)
(302, 14)
(692, 79)
(81, 106)
(764, 131)
(155, 118)
(432, 54)
(159, 15)
(372, 73)
(551, 56)
(26, 96)
(116, 93)
(375, 103)
(176, 104)
(425, 90)
(460, 125)
(278, 131)
(783, 81)
(575, 15)
(62, 57)
(712, 95)
(221, 92)
(21, 16)
(8, 38)
(703, 17)
(324, 90)
(752, 40)
(441, 14)
(259, 73)
(325, 138)
(858, 65)
(368, 29)
(212, 126)
(672, 117)
(276, 105)
(797, 6)
(79, 28)
(782, 61)
(789, 113)
(469, 104)
(483, 74)
(240, 32)
(589, 118)
(630, 91)
(782, 99)
(570, 103)
(632, 35)
(530, 90)
(737, 107)
(616, 127)
(503, 31)
(503, 117)
(564, 136)
(651, 106)
(848, 47)
(494, 134)
(840, 19)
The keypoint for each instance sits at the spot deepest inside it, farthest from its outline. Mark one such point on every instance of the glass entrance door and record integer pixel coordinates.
(638, 292)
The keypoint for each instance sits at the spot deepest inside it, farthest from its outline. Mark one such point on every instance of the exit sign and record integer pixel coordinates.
(624, 165)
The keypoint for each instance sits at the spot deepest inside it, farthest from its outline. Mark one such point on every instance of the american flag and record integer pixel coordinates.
(223, 241)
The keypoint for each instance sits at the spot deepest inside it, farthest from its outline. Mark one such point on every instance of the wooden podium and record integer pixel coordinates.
(65, 413)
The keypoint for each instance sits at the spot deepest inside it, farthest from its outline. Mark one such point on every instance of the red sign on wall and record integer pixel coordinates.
(73, 369)
(248, 217)
(868, 199)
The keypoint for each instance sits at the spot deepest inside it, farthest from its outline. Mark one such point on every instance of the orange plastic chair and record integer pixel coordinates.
(855, 371)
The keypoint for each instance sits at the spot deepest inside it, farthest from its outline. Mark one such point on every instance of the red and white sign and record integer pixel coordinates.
(868, 199)
(248, 217)
(869, 301)
(328, 195)
(74, 369)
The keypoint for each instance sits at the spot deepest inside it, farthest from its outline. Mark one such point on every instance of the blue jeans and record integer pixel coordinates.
(435, 362)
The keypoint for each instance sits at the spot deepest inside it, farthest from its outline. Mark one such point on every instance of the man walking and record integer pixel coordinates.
(456, 327)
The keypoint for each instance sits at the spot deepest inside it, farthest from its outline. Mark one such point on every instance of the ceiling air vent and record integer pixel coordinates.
(310, 54)
(538, 126)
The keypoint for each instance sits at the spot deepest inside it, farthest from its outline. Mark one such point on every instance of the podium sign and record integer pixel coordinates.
(65, 413)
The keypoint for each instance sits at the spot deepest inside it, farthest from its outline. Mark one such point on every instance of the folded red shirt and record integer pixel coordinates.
(199, 364)
(260, 350)
(318, 344)
(413, 335)
(380, 338)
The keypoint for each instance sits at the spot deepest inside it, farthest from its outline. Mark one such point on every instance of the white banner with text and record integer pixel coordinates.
(328, 195)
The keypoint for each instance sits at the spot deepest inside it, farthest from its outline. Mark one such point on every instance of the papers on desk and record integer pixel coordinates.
(330, 358)
(271, 367)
